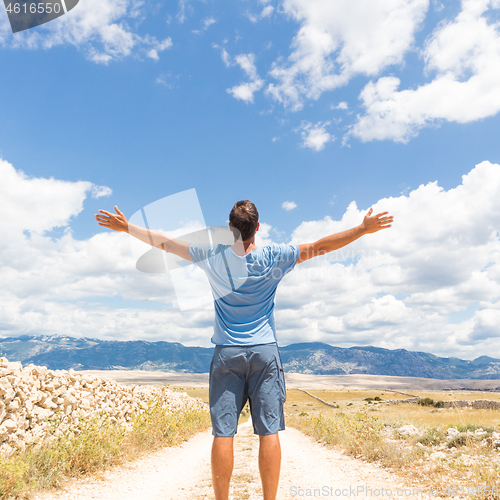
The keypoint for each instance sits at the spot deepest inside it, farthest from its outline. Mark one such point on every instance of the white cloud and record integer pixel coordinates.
(53, 201)
(395, 289)
(224, 54)
(339, 40)
(165, 80)
(398, 288)
(341, 105)
(486, 322)
(225, 57)
(207, 22)
(60, 285)
(100, 28)
(100, 191)
(263, 236)
(159, 47)
(464, 56)
(266, 12)
(153, 54)
(245, 91)
(288, 205)
(315, 136)
(182, 12)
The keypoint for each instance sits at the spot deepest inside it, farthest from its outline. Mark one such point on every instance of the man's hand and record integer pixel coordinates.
(116, 222)
(373, 223)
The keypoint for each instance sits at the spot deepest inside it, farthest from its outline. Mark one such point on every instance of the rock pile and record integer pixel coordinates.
(454, 436)
(31, 396)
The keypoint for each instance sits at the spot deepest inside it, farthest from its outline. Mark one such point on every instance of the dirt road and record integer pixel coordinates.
(309, 470)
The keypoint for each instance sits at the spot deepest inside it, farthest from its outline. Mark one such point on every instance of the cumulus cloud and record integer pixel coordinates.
(485, 324)
(339, 40)
(289, 205)
(54, 202)
(100, 28)
(399, 287)
(100, 191)
(245, 91)
(341, 105)
(314, 136)
(263, 235)
(464, 57)
(62, 285)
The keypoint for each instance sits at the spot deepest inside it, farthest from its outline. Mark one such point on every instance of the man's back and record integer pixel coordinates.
(244, 287)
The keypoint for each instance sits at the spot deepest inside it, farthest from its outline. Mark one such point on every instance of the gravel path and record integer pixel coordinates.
(309, 470)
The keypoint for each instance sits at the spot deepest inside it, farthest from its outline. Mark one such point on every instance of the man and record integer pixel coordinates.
(246, 363)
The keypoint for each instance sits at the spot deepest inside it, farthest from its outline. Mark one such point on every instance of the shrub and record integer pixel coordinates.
(426, 402)
(432, 436)
(431, 402)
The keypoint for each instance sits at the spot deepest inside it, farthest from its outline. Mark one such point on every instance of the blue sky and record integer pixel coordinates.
(316, 103)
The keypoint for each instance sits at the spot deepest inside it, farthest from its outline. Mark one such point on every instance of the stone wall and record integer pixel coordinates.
(31, 396)
(478, 404)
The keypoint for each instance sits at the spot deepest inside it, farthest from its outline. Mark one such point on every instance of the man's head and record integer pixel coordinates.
(244, 220)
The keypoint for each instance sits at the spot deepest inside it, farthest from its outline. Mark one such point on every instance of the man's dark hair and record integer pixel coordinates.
(244, 219)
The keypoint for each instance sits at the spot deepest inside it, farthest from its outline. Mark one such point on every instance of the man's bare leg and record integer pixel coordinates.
(269, 465)
(222, 466)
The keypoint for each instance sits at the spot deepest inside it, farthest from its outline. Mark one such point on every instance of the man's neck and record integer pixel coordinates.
(244, 247)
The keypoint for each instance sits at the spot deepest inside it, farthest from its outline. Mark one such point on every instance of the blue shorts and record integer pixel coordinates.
(241, 373)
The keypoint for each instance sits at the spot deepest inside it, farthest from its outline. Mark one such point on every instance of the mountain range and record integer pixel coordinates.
(58, 352)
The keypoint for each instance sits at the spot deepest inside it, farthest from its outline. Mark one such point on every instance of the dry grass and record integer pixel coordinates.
(298, 401)
(422, 416)
(368, 430)
(98, 444)
(194, 392)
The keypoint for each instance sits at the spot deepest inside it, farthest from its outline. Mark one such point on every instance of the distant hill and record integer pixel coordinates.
(323, 359)
(63, 353)
(314, 358)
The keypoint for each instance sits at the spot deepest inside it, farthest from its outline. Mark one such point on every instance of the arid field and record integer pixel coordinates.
(301, 381)
(433, 438)
(455, 447)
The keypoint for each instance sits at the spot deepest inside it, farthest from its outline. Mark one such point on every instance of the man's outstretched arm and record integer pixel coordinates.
(118, 222)
(371, 224)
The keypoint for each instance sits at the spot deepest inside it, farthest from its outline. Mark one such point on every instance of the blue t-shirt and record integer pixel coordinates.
(244, 288)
